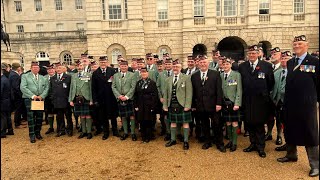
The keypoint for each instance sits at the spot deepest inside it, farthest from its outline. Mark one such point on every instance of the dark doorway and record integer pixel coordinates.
(199, 49)
(232, 47)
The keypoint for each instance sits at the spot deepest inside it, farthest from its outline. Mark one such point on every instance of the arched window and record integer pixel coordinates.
(42, 56)
(67, 58)
(114, 54)
(162, 50)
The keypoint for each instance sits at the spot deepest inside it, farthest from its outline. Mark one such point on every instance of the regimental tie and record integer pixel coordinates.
(122, 75)
(103, 72)
(175, 79)
(59, 77)
(225, 76)
(189, 72)
(203, 78)
(168, 73)
(296, 62)
(283, 75)
(79, 75)
(252, 65)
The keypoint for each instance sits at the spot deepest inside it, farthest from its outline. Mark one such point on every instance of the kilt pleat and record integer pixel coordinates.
(82, 110)
(126, 110)
(182, 117)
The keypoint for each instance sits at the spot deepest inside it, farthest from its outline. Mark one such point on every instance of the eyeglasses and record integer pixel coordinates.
(149, 58)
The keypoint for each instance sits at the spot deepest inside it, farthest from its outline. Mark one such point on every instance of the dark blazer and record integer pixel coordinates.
(5, 94)
(146, 99)
(102, 92)
(300, 104)
(208, 95)
(256, 99)
(59, 90)
(15, 81)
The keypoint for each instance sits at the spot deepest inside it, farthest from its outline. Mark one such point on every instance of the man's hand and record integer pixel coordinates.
(165, 109)
(218, 108)
(186, 109)
(235, 108)
(120, 97)
(71, 104)
(137, 109)
(193, 109)
(40, 98)
(91, 103)
(35, 97)
(161, 100)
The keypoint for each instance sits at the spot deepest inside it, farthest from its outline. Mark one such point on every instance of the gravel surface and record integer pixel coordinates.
(71, 158)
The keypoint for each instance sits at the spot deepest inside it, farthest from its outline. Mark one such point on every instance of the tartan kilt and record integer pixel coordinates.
(82, 110)
(233, 116)
(127, 110)
(182, 117)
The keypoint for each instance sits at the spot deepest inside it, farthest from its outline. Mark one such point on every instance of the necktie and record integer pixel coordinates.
(273, 66)
(189, 72)
(36, 77)
(175, 79)
(122, 75)
(79, 75)
(168, 73)
(148, 67)
(103, 72)
(203, 78)
(59, 77)
(225, 76)
(283, 75)
(296, 62)
(252, 69)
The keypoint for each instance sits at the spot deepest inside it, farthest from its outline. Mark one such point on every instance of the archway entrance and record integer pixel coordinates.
(199, 49)
(266, 46)
(232, 47)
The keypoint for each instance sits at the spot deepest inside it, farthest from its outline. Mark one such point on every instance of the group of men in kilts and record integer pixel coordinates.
(208, 96)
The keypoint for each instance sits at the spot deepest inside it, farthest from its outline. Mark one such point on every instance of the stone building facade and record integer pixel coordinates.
(133, 28)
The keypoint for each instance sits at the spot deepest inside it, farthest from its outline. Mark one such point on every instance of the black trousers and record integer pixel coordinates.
(256, 135)
(146, 128)
(4, 121)
(312, 153)
(18, 110)
(61, 112)
(205, 118)
(103, 119)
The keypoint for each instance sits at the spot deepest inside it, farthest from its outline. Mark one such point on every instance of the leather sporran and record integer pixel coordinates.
(79, 100)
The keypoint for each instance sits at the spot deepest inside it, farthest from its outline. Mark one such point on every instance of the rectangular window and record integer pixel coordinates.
(38, 5)
(230, 8)
(162, 9)
(242, 6)
(18, 6)
(218, 8)
(58, 4)
(115, 9)
(264, 7)
(298, 6)
(20, 28)
(59, 27)
(103, 9)
(39, 27)
(80, 26)
(198, 8)
(78, 4)
(126, 9)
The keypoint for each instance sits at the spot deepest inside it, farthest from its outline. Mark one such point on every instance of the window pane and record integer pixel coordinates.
(38, 5)
(264, 6)
(67, 58)
(298, 6)
(80, 26)
(18, 6)
(58, 4)
(78, 4)
(230, 8)
(115, 11)
(199, 8)
(114, 55)
(20, 28)
(60, 27)
(39, 27)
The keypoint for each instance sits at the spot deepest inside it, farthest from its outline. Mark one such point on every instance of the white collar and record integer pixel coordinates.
(255, 63)
(228, 74)
(276, 66)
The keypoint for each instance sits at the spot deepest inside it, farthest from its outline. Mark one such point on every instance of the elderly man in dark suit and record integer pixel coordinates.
(5, 102)
(104, 99)
(59, 93)
(257, 83)
(300, 105)
(16, 95)
(207, 99)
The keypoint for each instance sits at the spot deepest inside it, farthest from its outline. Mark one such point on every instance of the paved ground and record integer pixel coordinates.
(71, 158)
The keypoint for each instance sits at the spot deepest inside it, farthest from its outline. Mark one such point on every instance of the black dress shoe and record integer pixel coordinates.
(286, 159)
(10, 132)
(50, 130)
(314, 172)
(69, 134)
(206, 146)
(185, 146)
(246, 133)
(229, 145)
(38, 136)
(115, 133)
(97, 133)
(268, 137)
(124, 136)
(89, 136)
(60, 134)
(262, 154)
(3, 136)
(221, 148)
(279, 140)
(171, 143)
(105, 136)
(33, 140)
(134, 137)
(250, 148)
(82, 135)
(281, 148)
(167, 137)
(233, 148)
